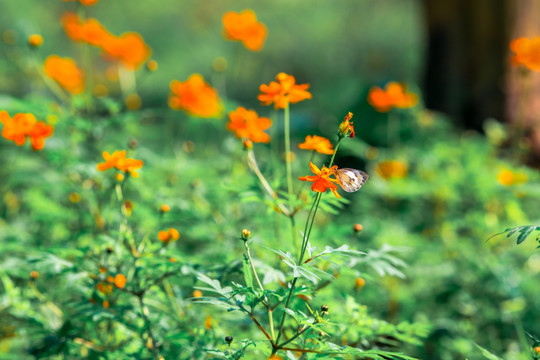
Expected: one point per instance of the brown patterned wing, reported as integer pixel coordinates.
(351, 179)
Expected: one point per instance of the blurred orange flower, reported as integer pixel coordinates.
(119, 161)
(21, 126)
(391, 169)
(35, 40)
(86, 2)
(283, 92)
(275, 357)
(39, 133)
(244, 27)
(318, 143)
(90, 31)
(321, 180)
(395, 95)
(17, 128)
(120, 281)
(66, 73)
(246, 124)
(527, 52)
(195, 97)
(129, 49)
(508, 178)
(166, 236)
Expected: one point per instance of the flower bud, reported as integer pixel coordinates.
(228, 339)
(35, 40)
(246, 234)
(358, 227)
(359, 283)
(324, 308)
(248, 144)
(165, 208)
(152, 65)
(34, 275)
(346, 127)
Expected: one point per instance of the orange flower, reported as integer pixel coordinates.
(246, 124)
(244, 27)
(90, 31)
(275, 357)
(167, 235)
(39, 133)
(509, 178)
(86, 2)
(283, 92)
(66, 73)
(23, 126)
(208, 322)
(195, 97)
(321, 180)
(527, 52)
(318, 143)
(120, 281)
(129, 49)
(17, 128)
(118, 160)
(395, 95)
(391, 169)
(346, 127)
(35, 40)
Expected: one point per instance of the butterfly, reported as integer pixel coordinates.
(351, 180)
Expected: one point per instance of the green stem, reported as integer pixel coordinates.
(288, 157)
(148, 326)
(393, 129)
(307, 232)
(294, 337)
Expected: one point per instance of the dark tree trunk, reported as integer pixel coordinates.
(467, 58)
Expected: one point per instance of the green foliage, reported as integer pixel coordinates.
(523, 231)
(416, 282)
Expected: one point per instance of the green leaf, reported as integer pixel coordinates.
(487, 354)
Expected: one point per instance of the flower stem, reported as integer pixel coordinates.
(148, 325)
(305, 240)
(288, 157)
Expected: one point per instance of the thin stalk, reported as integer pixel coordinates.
(252, 162)
(288, 157)
(307, 232)
(248, 253)
(294, 337)
(271, 321)
(148, 325)
(393, 129)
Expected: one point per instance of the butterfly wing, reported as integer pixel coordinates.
(351, 179)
